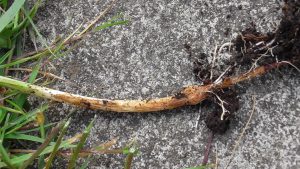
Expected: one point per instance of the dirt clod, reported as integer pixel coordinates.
(215, 124)
(252, 49)
(281, 45)
(230, 103)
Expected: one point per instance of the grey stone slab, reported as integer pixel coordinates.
(147, 59)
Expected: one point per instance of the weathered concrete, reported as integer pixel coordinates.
(147, 59)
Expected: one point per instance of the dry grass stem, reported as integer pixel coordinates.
(81, 35)
(242, 133)
(45, 74)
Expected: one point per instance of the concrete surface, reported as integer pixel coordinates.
(147, 59)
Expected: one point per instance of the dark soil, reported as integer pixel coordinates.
(231, 104)
(281, 45)
(251, 47)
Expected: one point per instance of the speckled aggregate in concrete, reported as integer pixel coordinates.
(146, 58)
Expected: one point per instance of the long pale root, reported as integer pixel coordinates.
(190, 95)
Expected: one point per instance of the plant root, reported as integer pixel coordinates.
(190, 95)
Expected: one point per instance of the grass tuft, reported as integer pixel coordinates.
(21, 124)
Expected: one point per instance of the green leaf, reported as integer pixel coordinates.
(4, 4)
(6, 33)
(36, 129)
(64, 127)
(25, 22)
(34, 72)
(37, 32)
(20, 159)
(86, 163)
(19, 136)
(4, 128)
(5, 43)
(5, 157)
(80, 145)
(15, 105)
(8, 16)
(2, 115)
(23, 120)
(6, 55)
(22, 98)
(11, 110)
(110, 24)
(22, 60)
(41, 148)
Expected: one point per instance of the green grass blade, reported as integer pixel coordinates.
(2, 115)
(42, 147)
(16, 20)
(41, 160)
(110, 24)
(18, 45)
(57, 144)
(17, 160)
(36, 129)
(11, 110)
(5, 157)
(23, 60)
(4, 128)
(5, 57)
(23, 120)
(6, 33)
(20, 125)
(34, 72)
(41, 120)
(4, 4)
(16, 106)
(5, 42)
(38, 33)
(26, 117)
(8, 16)
(10, 56)
(7, 54)
(25, 22)
(19, 136)
(22, 98)
(80, 145)
(86, 163)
